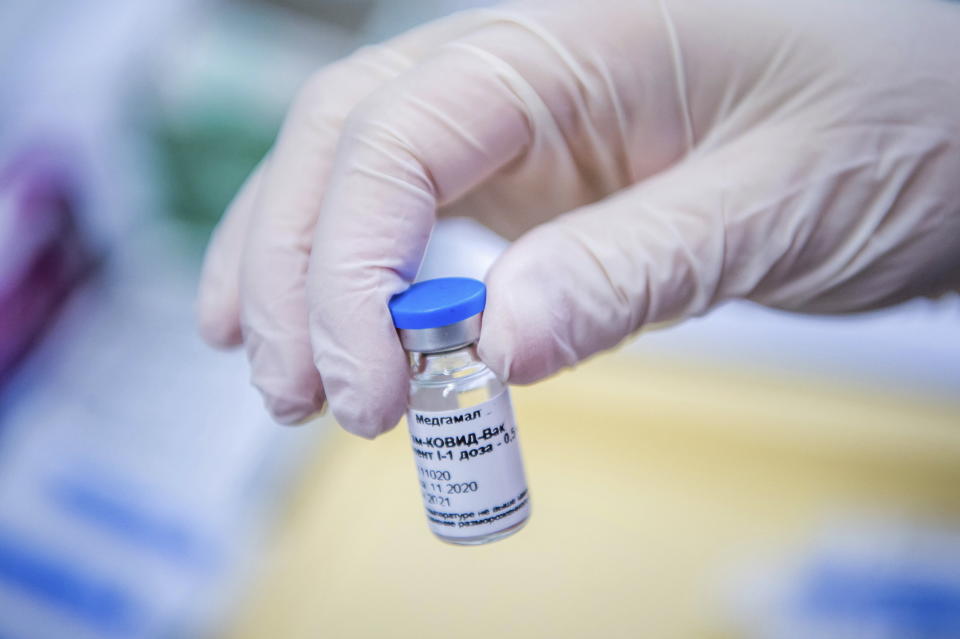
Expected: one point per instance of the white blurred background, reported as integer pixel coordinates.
(141, 483)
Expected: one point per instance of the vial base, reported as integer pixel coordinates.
(480, 540)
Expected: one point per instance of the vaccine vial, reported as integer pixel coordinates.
(459, 415)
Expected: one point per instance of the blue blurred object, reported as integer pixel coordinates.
(137, 466)
(875, 577)
(903, 603)
(132, 521)
(39, 572)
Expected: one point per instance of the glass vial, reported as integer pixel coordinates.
(459, 416)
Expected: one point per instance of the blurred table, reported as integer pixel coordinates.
(655, 487)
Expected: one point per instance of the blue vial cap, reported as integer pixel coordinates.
(438, 302)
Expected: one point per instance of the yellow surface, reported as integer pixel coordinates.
(650, 482)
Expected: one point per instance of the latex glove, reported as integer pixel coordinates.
(805, 155)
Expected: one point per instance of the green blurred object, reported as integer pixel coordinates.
(207, 162)
(221, 92)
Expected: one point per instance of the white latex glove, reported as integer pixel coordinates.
(803, 154)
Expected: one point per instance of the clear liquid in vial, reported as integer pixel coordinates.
(457, 380)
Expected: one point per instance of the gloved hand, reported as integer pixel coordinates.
(655, 158)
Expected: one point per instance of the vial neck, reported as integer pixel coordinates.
(458, 362)
(441, 338)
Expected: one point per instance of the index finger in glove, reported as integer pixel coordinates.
(276, 242)
(420, 142)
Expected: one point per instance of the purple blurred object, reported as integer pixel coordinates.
(42, 254)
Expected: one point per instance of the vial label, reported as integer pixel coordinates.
(469, 467)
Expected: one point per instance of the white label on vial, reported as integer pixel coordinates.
(469, 467)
